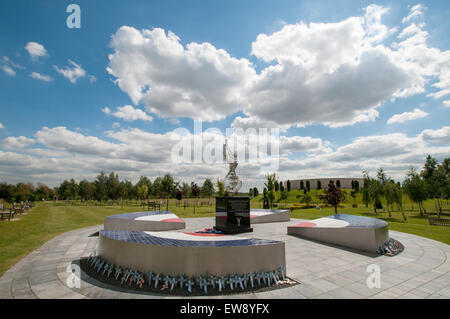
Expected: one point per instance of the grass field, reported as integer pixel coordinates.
(47, 220)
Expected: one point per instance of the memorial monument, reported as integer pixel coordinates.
(232, 212)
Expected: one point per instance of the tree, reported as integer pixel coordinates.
(306, 199)
(220, 187)
(288, 185)
(389, 190)
(86, 190)
(255, 191)
(270, 185)
(100, 186)
(186, 190)
(302, 185)
(142, 191)
(43, 192)
(333, 196)
(167, 188)
(397, 197)
(7, 192)
(112, 186)
(281, 187)
(308, 186)
(415, 188)
(195, 190)
(373, 191)
(156, 191)
(143, 180)
(207, 188)
(436, 179)
(338, 184)
(355, 185)
(319, 185)
(250, 193)
(277, 186)
(284, 195)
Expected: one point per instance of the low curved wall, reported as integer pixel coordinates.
(142, 221)
(259, 216)
(358, 232)
(174, 253)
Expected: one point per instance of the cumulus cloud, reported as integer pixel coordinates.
(63, 139)
(71, 73)
(36, 50)
(1, 126)
(106, 110)
(129, 113)
(131, 150)
(17, 142)
(416, 11)
(440, 136)
(407, 116)
(336, 74)
(172, 80)
(41, 77)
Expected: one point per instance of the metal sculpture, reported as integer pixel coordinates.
(231, 181)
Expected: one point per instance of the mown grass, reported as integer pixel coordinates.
(47, 220)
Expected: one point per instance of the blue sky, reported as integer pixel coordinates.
(54, 128)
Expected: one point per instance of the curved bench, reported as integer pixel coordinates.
(141, 221)
(191, 254)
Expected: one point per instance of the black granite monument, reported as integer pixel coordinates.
(233, 214)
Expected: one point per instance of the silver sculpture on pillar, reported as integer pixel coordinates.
(231, 181)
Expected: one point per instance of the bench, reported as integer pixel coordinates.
(439, 221)
(6, 214)
(154, 206)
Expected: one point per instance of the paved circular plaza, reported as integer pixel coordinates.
(422, 270)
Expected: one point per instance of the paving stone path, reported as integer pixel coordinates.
(422, 270)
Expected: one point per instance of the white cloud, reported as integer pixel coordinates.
(8, 70)
(106, 110)
(1, 126)
(407, 116)
(131, 151)
(336, 74)
(63, 139)
(41, 77)
(129, 113)
(172, 80)
(36, 50)
(17, 142)
(72, 74)
(116, 125)
(92, 79)
(9, 62)
(446, 103)
(440, 136)
(416, 11)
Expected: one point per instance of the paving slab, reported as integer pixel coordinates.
(422, 270)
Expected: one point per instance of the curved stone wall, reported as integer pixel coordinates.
(358, 232)
(190, 254)
(258, 216)
(142, 221)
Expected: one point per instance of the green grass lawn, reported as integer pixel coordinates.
(47, 220)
